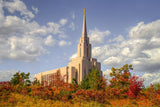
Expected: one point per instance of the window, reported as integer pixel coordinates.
(84, 71)
(87, 52)
(76, 75)
(80, 52)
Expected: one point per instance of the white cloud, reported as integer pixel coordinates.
(7, 75)
(73, 56)
(145, 31)
(24, 48)
(35, 9)
(72, 26)
(24, 39)
(49, 41)
(63, 22)
(62, 36)
(112, 61)
(125, 51)
(119, 38)
(2, 18)
(19, 6)
(151, 78)
(97, 37)
(142, 49)
(107, 73)
(64, 43)
(73, 16)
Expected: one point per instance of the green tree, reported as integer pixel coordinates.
(20, 78)
(156, 86)
(85, 82)
(92, 81)
(74, 81)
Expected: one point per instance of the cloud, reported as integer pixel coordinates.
(107, 73)
(72, 26)
(2, 18)
(64, 43)
(97, 37)
(73, 16)
(7, 75)
(49, 41)
(125, 51)
(151, 78)
(35, 9)
(73, 56)
(22, 38)
(112, 61)
(63, 22)
(141, 48)
(18, 6)
(119, 38)
(25, 48)
(145, 31)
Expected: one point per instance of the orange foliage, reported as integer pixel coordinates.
(59, 93)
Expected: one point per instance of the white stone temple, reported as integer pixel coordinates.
(78, 67)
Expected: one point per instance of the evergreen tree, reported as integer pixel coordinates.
(85, 82)
(92, 80)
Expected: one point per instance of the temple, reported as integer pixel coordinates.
(79, 66)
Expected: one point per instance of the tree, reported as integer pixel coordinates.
(36, 82)
(119, 83)
(93, 80)
(20, 78)
(74, 81)
(120, 76)
(136, 84)
(122, 83)
(85, 82)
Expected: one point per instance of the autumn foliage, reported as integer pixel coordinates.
(123, 89)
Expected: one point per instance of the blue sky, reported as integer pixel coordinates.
(40, 35)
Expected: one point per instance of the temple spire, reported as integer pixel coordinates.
(84, 29)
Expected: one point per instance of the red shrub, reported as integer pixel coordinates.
(135, 86)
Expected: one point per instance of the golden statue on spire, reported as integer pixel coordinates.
(84, 11)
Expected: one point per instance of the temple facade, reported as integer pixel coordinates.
(79, 66)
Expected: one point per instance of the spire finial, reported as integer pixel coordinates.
(84, 29)
(84, 11)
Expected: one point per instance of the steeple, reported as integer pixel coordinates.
(84, 29)
(84, 47)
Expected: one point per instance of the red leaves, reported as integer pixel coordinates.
(5, 83)
(89, 95)
(135, 86)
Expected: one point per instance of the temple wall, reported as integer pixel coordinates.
(46, 75)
